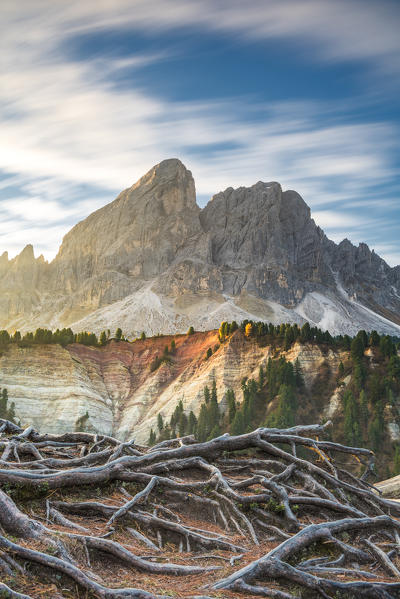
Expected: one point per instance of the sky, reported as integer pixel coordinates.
(93, 93)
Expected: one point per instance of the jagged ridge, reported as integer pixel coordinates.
(153, 260)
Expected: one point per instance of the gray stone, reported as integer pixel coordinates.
(152, 260)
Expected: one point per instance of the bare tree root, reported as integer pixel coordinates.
(82, 504)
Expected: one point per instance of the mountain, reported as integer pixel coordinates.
(152, 260)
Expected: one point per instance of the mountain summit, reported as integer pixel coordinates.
(153, 260)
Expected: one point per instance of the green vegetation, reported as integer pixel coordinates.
(165, 358)
(61, 337)
(6, 412)
(367, 378)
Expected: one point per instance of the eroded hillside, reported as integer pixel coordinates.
(123, 387)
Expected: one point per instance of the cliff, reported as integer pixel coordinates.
(153, 260)
(53, 386)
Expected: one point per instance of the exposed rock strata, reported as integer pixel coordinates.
(52, 387)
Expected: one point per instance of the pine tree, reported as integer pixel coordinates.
(118, 334)
(376, 428)
(289, 338)
(216, 432)
(237, 426)
(160, 422)
(182, 424)
(364, 411)
(192, 423)
(261, 378)
(214, 391)
(285, 414)
(351, 419)
(357, 348)
(305, 333)
(152, 438)
(233, 327)
(190, 331)
(206, 394)
(298, 374)
(143, 336)
(203, 429)
(230, 397)
(103, 338)
(374, 339)
(3, 404)
(340, 374)
(11, 413)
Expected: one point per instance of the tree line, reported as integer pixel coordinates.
(62, 337)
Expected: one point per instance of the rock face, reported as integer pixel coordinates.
(152, 260)
(53, 387)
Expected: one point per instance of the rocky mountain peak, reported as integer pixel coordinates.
(152, 260)
(26, 257)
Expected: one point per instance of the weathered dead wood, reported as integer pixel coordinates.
(265, 491)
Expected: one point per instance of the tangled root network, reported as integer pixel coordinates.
(274, 513)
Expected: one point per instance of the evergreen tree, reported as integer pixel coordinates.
(206, 394)
(340, 374)
(351, 419)
(364, 411)
(143, 336)
(289, 338)
(214, 391)
(118, 334)
(374, 339)
(233, 327)
(376, 428)
(237, 427)
(231, 401)
(4, 338)
(213, 410)
(160, 422)
(203, 428)
(298, 374)
(209, 353)
(3, 404)
(190, 331)
(284, 415)
(103, 338)
(357, 348)
(305, 333)
(261, 378)
(11, 413)
(192, 423)
(152, 438)
(216, 432)
(182, 424)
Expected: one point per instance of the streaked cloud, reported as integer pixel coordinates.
(71, 139)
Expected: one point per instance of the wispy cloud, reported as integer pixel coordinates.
(64, 124)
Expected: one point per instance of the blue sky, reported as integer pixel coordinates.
(304, 92)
